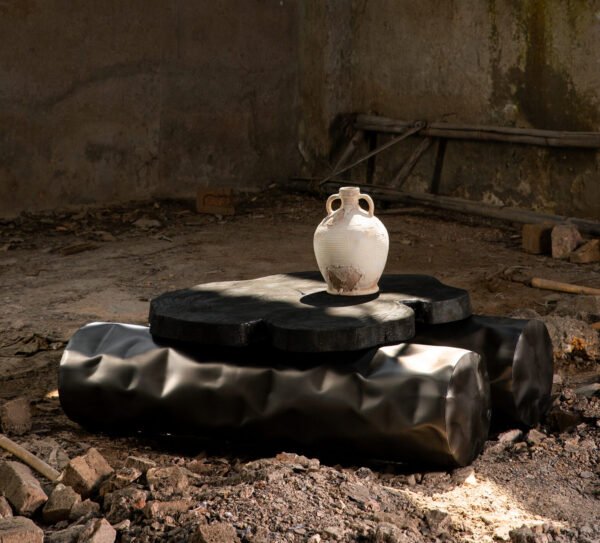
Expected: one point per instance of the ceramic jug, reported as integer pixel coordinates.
(351, 245)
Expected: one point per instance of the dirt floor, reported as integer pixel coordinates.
(59, 271)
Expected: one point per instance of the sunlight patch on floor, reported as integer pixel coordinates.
(481, 507)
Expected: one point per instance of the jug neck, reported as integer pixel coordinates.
(349, 197)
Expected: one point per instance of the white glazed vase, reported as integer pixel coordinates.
(351, 245)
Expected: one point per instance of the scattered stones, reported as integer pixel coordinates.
(535, 437)
(140, 463)
(589, 252)
(536, 238)
(66, 535)
(123, 503)
(572, 337)
(157, 509)
(85, 473)
(97, 531)
(167, 481)
(388, 533)
(21, 488)
(298, 461)
(565, 239)
(84, 509)
(220, 532)
(15, 416)
(119, 479)
(20, 530)
(5, 509)
(511, 436)
(146, 224)
(59, 505)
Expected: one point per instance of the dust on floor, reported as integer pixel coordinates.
(60, 271)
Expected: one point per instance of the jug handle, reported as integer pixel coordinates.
(369, 201)
(330, 201)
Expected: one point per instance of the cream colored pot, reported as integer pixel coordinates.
(351, 245)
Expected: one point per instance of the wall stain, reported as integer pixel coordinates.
(543, 91)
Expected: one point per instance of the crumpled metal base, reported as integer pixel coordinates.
(406, 402)
(518, 356)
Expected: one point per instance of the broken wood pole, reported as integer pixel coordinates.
(411, 129)
(388, 194)
(531, 136)
(410, 163)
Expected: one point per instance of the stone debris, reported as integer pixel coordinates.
(511, 436)
(59, 505)
(167, 481)
(84, 509)
(156, 509)
(536, 238)
(66, 535)
(123, 503)
(589, 252)
(5, 508)
(119, 479)
(15, 416)
(572, 337)
(97, 531)
(20, 530)
(85, 473)
(21, 488)
(140, 463)
(565, 239)
(582, 307)
(146, 224)
(220, 532)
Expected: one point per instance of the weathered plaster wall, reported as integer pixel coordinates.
(106, 101)
(513, 63)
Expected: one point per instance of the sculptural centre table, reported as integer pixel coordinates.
(293, 312)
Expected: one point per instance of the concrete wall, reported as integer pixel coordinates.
(111, 100)
(530, 63)
(107, 101)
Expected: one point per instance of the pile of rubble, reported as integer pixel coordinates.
(562, 241)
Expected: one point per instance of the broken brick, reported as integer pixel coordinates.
(15, 416)
(220, 532)
(140, 463)
(97, 531)
(169, 480)
(565, 239)
(21, 488)
(59, 505)
(20, 530)
(85, 473)
(157, 509)
(216, 201)
(589, 252)
(536, 238)
(86, 508)
(121, 504)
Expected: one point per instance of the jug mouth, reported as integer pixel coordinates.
(349, 192)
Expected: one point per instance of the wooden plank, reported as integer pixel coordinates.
(531, 136)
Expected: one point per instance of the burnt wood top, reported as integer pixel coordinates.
(293, 312)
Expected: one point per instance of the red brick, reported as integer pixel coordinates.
(536, 238)
(15, 416)
(85, 473)
(21, 488)
(20, 530)
(216, 201)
